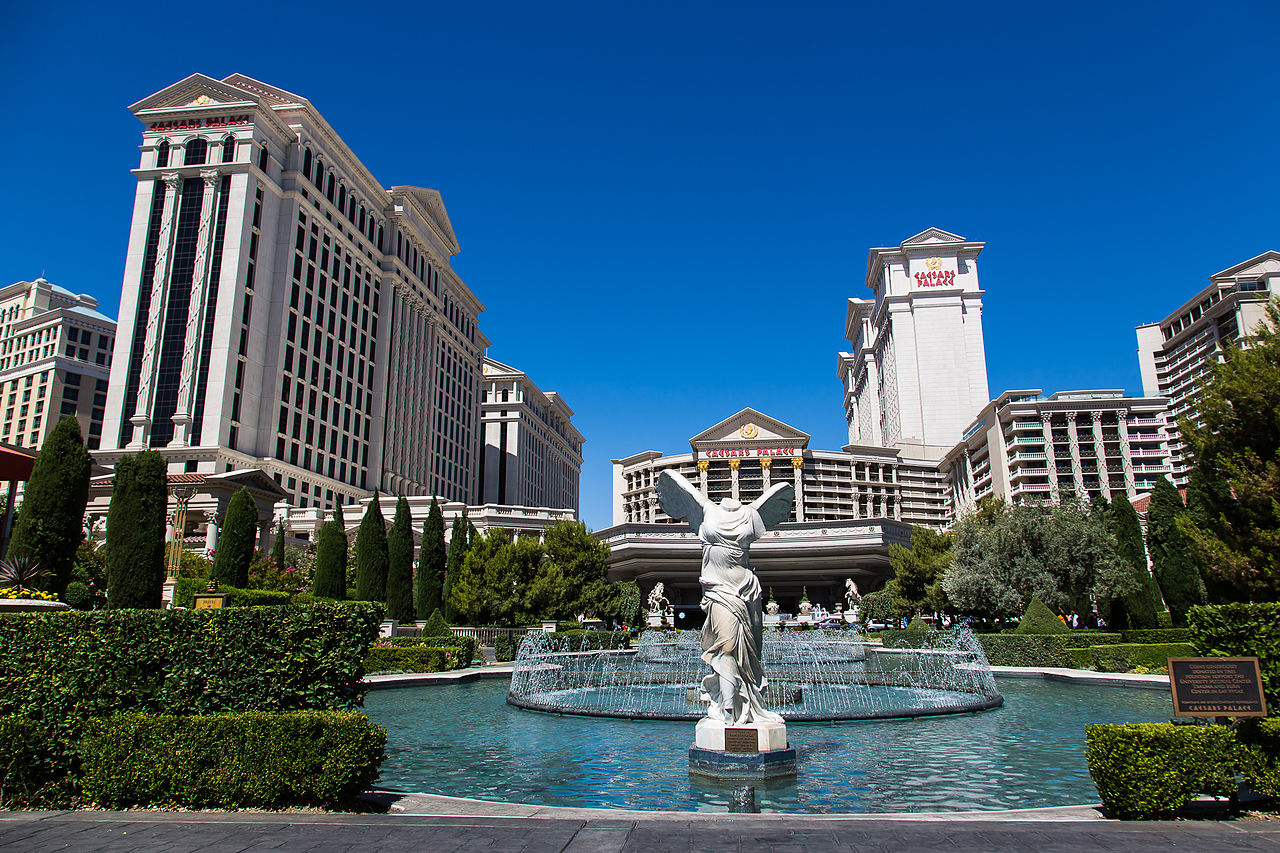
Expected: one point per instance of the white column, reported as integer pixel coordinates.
(141, 419)
(210, 531)
(195, 315)
(1077, 468)
(1126, 458)
(1104, 477)
(1046, 427)
(797, 467)
(765, 465)
(733, 478)
(703, 465)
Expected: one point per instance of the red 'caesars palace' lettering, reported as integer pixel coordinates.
(746, 451)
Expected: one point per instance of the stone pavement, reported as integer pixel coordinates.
(609, 832)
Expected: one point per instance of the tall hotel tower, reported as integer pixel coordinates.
(282, 311)
(917, 372)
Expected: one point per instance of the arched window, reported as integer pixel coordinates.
(262, 158)
(197, 152)
(318, 180)
(380, 238)
(351, 209)
(162, 154)
(329, 192)
(306, 162)
(342, 197)
(399, 243)
(360, 225)
(228, 149)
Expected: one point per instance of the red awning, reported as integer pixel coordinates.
(16, 463)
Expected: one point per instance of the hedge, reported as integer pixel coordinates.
(1242, 630)
(1150, 770)
(1262, 757)
(27, 764)
(582, 641)
(1024, 649)
(1123, 657)
(256, 760)
(1156, 635)
(466, 646)
(1084, 639)
(188, 587)
(419, 658)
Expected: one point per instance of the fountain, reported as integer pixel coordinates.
(812, 676)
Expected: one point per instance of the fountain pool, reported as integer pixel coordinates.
(466, 741)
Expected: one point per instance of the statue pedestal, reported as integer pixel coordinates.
(750, 751)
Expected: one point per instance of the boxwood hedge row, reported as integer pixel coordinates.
(416, 658)
(1150, 770)
(1242, 630)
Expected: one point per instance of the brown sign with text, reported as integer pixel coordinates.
(1217, 687)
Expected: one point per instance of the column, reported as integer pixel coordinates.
(211, 530)
(797, 467)
(195, 315)
(1126, 458)
(733, 477)
(1104, 477)
(1077, 469)
(969, 488)
(703, 465)
(141, 419)
(765, 464)
(1046, 428)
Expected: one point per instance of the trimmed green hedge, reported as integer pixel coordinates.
(260, 760)
(1151, 770)
(583, 641)
(1084, 639)
(1122, 657)
(1242, 630)
(27, 764)
(1025, 649)
(419, 658)
(188, 587)
(465, 645)
(1261, 739)
(1156, 635)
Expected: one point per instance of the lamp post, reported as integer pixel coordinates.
(182, 496)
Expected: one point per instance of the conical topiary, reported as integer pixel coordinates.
(331, 559)
(1039, 619)
(436, 626)
(371, 555)
(400, 565)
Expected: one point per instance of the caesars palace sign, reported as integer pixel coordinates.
(750, 451)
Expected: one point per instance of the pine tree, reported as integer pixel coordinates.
(1171, 556)
(431, 564)
(277, 548)
(135, 531)
(400, 565)
(235, 545)
(331, 559)
(50, 523)
(459, 537)
(371, 554)
(1137, 609)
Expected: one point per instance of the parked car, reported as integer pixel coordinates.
(835, 623)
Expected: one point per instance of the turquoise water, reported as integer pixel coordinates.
(466, 741)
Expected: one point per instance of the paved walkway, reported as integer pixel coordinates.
(608, 832)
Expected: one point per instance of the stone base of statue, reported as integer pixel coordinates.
(749, 751)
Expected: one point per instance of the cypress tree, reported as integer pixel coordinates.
(458, 545)
(277, 548)
(400, 564)
(431, 564)
(1138, 608)
(235, 545)
(371, 554)
(1171, 557)
(50, 523)
(135, 531)
(331, 559)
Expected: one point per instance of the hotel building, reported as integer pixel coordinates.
(283, 311)
(55, 360)
(1174, 355)
(531, 453)
(1025, 447)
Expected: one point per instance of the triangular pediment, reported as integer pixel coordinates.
(933, 235)
(264, 92)
(198, 92)
(254, 479)
(1268, 263)
(433, 204)
(750, 428)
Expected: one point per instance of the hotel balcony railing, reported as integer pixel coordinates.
(1031, 487)
(1027, 454)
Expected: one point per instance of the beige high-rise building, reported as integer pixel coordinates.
(55, 359)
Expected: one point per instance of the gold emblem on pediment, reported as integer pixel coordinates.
(748, 430)
(201, 101)
(933, 263)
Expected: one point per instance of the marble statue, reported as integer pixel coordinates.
(658, 602)
(851, 595)
(733, 632)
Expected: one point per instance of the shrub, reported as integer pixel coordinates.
(419, 658)
(436, 626)
(1151, 770)
(431, 562)
(1025, 649)
(1084, 639)
(187, 588)
(1156, 635)
(371, 554)
(27, 769)
(1039, 619)
(235, 544)
(1261, 762)
(505, 647)
(400, 565)
(255, 759)
(331, 559)
(1123, 657)
(1242, 630)
(135, 531)
(583, 641)
(78, 596)
(466, 646)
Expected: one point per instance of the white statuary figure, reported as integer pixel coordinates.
(657, 600)
(733, 633)
(851, 595)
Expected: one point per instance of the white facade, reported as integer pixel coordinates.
(55, 360)
(1024, 447)
(283, 311)
(1174, 355)
(531, 454)
(917, 368)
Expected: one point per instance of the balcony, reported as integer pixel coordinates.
(1028, 472)
(1031, 487)
(1018, 440)
(1024, 455)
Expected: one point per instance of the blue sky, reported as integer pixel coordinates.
(665, 209)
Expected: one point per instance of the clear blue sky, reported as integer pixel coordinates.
(665, 209)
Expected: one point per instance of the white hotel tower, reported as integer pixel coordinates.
(283, 311)
(917, 371)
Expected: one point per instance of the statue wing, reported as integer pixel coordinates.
(774, 505)
(680, 498)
